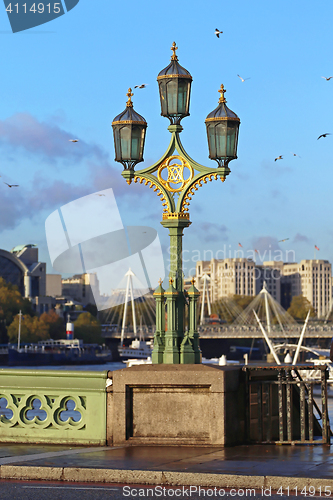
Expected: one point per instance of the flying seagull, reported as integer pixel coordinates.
(327, 79)
(283, 240)
(97, 194)
(11, 185)
(279, 158)
(294, 154)
(323, 135)
(142, 86)
(218, 33)
(243, 79)
(73, 140)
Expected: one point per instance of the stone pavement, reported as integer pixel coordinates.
(253, 466)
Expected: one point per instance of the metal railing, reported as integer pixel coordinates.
(230, 331)
(280, 406)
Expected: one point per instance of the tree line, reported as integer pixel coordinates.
(48, 325)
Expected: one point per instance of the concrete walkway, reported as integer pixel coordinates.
(241, 466)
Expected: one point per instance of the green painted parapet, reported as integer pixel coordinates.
(58, 407)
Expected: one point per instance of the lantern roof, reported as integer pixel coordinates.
(174, 69)
(129, 115)
(222, 112)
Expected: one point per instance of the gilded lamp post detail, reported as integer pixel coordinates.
(175, 178)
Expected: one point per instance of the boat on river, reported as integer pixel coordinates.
(68, 351)
(57, 352)
(138, 349)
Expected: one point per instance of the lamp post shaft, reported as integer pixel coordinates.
(184, 354)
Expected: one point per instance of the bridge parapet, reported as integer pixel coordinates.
(53, 406)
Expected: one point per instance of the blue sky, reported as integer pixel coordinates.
(69, 78)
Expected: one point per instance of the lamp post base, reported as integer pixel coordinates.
(187, 354)
(174, 345)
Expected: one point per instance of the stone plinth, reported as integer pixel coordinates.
(176, 405)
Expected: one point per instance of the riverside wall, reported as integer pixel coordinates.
(147, 404)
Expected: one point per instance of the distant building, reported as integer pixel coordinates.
(226, 277)
(240, 276)
(310, 278)
(272, 277)
(81, 288)
(21, 267)
(53, 285)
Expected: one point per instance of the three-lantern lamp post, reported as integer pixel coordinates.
(175, 178)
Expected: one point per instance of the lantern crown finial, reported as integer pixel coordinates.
(129, 103)
(174, 55)
(174, 83)
(222, 91)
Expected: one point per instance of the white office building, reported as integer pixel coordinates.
(310, 278)
(240, 276)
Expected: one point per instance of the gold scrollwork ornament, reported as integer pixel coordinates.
(175, 174)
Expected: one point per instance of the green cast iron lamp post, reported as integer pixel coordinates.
(175, 178)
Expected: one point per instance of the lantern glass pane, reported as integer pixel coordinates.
(137, 142)
(211, 141)
(172, 95)
(221, 139)
(183, 88)
(163, 97)
(117, 143)
(236, 138)
(125, 141)
(231, 139)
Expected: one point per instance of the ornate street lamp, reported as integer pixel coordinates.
(222, 132)
(129, 131)
(174, 83)
(176, 174)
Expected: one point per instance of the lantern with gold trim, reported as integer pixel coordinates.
(174, 83)
(222, 132)
(129, 131)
